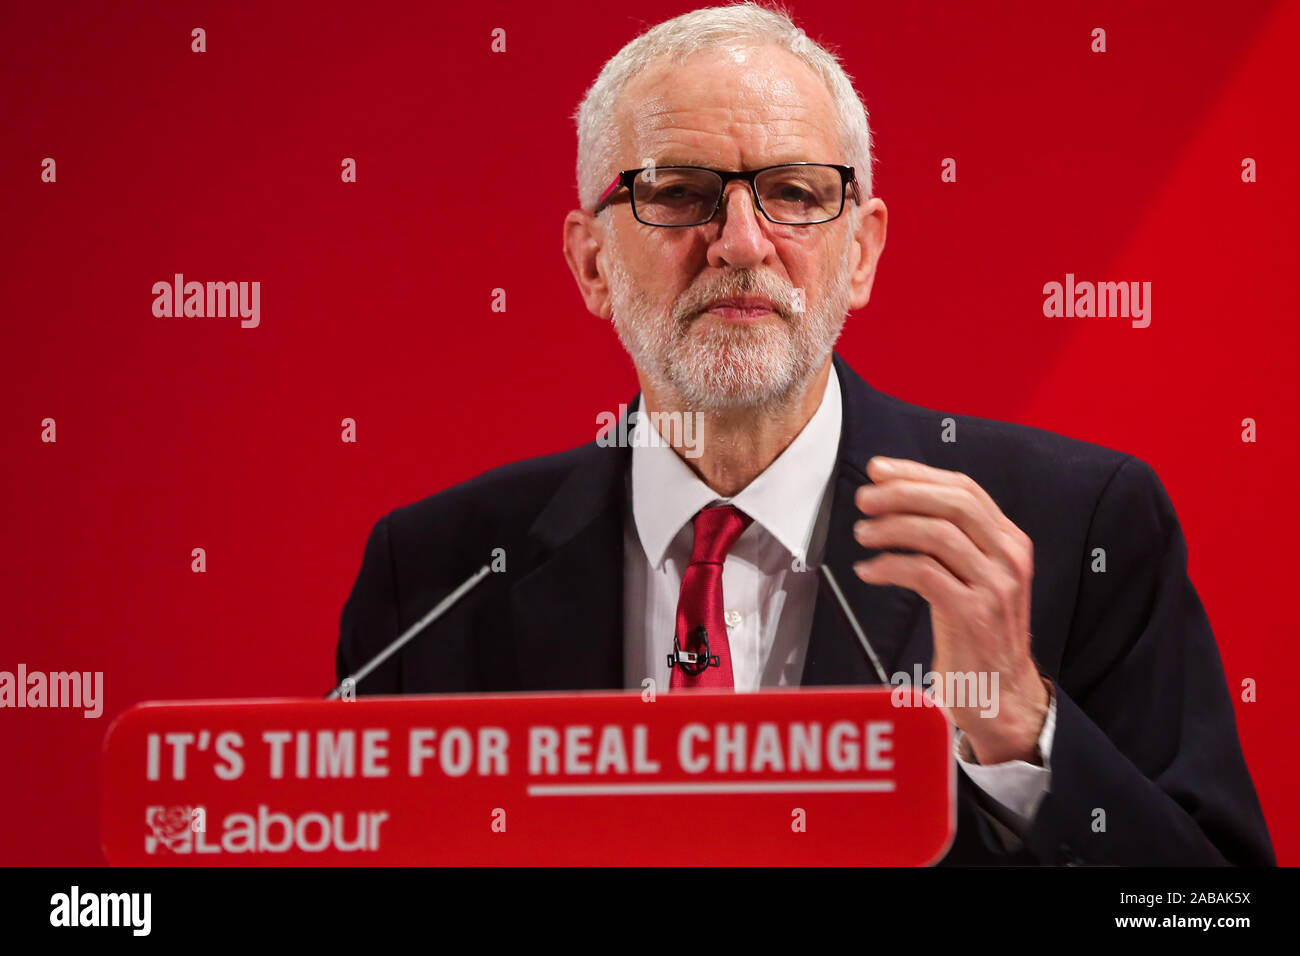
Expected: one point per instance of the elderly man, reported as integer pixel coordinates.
(727, 227)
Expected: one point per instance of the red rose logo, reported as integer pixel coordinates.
(170, 828)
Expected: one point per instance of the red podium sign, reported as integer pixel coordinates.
(781, 777)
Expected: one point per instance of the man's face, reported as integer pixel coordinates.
(728, 108)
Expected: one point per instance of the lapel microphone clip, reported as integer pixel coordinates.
(693, 663)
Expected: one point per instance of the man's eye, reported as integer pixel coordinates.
(793, 193)
(677, 194)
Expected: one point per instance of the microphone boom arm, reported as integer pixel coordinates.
(438, 611)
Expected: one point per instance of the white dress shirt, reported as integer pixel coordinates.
(768, 603)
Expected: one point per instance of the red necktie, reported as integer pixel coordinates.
(699, 606)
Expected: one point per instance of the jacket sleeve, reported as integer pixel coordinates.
(1146, 765)
(369, 619)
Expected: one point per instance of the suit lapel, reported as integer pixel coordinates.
(567, 612)
(871, 426)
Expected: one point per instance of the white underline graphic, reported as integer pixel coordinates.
(634, 789)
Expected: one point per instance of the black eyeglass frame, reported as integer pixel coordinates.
(627, 177)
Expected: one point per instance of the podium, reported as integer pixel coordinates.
(846, 776)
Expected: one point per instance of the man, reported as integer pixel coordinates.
(727, 227)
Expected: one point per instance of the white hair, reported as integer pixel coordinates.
(699, 30)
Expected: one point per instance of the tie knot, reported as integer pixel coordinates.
(716, 530)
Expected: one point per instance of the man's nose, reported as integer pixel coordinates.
(742, 243)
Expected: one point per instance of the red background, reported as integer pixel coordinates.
(183, 433)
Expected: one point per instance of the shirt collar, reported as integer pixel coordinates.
(784, 499)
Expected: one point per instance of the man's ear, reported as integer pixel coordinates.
(583, 238)
(870, 241)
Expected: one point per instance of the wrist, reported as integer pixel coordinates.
(1014, 734)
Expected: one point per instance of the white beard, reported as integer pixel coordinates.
(711, 366)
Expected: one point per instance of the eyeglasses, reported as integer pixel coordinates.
(794, 194)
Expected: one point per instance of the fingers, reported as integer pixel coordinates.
(916, 572)
(881, 469)
(909, 487)
(937, 537)
(948, 502)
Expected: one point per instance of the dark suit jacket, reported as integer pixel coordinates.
(1144, 728)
